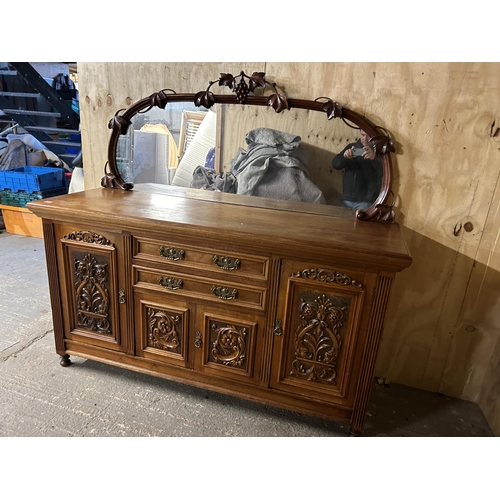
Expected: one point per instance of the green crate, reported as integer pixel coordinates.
(21, 198)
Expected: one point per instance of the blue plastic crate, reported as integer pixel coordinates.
(33, 179)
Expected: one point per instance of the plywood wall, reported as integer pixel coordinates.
(443, 327)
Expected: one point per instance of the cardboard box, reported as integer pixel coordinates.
(19, 220)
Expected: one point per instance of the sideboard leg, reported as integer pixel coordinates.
(356, 431)
(65, 361)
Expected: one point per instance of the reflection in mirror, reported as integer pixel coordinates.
(200, 155)
(157, 141)
(313, 140)
(296, 155)
(362, 173)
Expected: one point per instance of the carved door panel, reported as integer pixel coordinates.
(229, 344)
(318, 318)
(162, 326)
(93, 286)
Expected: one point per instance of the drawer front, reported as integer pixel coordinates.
(201, 288)
(234, 264)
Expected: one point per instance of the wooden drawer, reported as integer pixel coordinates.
(201, 258)
(189, 286)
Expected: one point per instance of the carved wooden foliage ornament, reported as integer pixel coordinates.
(159, 99)
(92, 295)
(318, 340)
(331, 108)
(327, 276)
(88, 237)
(229, 345)
(163, 330)
(242, 89)
(382, 213)
(119, 123)
(382, 144)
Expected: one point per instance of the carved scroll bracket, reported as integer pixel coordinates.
(88, 237)
(381, 213)
(328, 276)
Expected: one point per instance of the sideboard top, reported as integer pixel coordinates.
(272, 225)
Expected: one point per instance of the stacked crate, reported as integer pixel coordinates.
(21, 185)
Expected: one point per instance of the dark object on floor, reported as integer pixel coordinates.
(397, 410)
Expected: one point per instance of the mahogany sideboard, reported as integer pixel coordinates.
(247, 298)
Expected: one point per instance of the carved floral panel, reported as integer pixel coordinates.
(164, 330)
(319, 324)
(92, 296)
(229, 344)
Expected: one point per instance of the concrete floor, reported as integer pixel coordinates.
(38, 397)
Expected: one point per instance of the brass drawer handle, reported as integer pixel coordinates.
(172, 253)
(170, 283)
(121, 296)
(224, 293)
(227, 263)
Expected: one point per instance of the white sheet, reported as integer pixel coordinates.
(197, 151)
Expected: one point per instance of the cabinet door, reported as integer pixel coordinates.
(162, 325)
(93, 289)
(229, 344)
(316, 331)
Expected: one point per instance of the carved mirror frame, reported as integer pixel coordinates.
(244, 90)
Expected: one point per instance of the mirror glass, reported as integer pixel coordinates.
(295, 155)
(156, 141)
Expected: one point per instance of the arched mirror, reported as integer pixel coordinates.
(254, 144)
